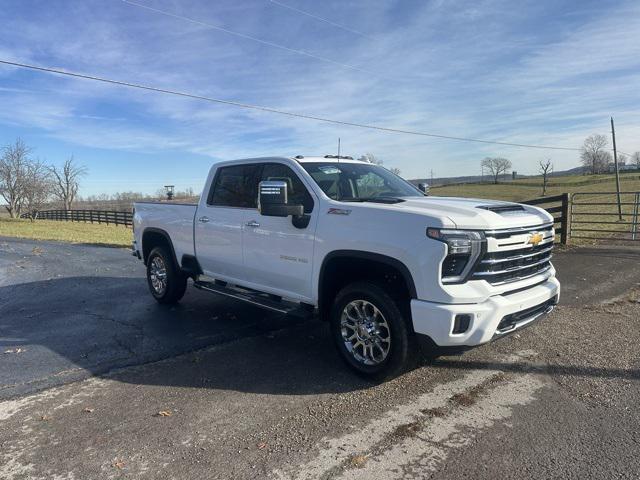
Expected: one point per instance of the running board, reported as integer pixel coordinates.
(259, 299)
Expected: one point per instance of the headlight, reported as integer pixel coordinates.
(463, 250)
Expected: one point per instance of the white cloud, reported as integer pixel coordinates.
(478, 70)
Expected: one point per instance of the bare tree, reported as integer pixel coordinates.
(622, 159)
(594, 156)
(635, 158)
(66, 181)
(13, 165)
(496, 166)
(370, 158)
(395, 170)
(546, 168)
(37, 188)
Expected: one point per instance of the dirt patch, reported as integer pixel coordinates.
(407, 430)
(358, 461)
(470, 397)
(437, 412)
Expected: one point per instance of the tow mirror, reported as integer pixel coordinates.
(273, 202)
(424, 188)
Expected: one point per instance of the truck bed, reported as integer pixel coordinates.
(176, 219)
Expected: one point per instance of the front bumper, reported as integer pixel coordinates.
(515, 310)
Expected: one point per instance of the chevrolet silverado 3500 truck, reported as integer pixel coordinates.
(388, 267)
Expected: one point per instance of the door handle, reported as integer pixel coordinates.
(253, 223)
(203, 219)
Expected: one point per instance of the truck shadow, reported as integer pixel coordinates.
(92, 325)
(98, 324)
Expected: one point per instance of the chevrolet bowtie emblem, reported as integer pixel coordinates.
(535, 238)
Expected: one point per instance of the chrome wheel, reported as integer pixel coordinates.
(158, 275)
(365, 332)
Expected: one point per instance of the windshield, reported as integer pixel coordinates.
(359, 181)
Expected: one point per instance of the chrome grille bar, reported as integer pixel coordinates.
(518, 230)
(503, 265)
(513, 269)
(521, 277)
(513, 258)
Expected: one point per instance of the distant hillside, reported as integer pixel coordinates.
(488, 178)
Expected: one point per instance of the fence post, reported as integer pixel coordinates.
(636, 211)
(567, 213)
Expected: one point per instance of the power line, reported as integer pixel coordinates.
(274, 110)
(248, 37)
(337, 25)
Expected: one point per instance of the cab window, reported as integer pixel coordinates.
(296, 190)
(235, 186)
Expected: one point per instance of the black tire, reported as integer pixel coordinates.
(401, 353)
(176, 281)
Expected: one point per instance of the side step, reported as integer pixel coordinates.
(259, 299)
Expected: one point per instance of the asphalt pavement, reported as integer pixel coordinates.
(101, 382)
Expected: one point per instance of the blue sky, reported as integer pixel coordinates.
(541, 72)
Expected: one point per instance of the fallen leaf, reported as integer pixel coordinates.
(88, 410)
(118, 464)
(358, 461)
(45, 418)
(262, 446)
(163, 413)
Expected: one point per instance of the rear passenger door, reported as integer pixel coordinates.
(278, 256)
(219, 223)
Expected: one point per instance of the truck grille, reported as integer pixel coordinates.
(511, 257)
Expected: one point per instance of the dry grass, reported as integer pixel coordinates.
(73, 232)
(606, 220)
(517, 192)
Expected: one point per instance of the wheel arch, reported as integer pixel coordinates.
(156, 237)
(341, 267)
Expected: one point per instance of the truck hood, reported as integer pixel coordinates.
(475, 213)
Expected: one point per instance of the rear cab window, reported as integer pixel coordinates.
(235, 186)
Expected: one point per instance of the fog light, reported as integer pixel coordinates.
(461, 323)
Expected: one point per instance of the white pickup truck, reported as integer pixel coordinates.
(387, 266)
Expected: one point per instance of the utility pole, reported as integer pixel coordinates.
(615, 162)
(432, 176)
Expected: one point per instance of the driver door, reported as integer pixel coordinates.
(278, 257)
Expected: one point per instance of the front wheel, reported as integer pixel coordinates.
(166, 282)
(370, 332)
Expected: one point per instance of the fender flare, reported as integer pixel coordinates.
(364, 255)
(164, 234)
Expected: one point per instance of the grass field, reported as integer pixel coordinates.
(602, 219)
(73, 232)
(524, 189)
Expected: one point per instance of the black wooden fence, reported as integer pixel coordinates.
(559, 206)
(110, 217)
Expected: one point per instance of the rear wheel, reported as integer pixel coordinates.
(370, 332)
(166, 282)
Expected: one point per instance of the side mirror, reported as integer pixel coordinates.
(424, 188)
(273, 202)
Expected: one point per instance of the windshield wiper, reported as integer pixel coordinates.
(373, 199)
